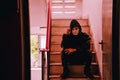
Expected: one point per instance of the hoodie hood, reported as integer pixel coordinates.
(75, 23)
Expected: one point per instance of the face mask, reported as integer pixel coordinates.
(75, 31)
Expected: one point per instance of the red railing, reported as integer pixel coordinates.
(45, 52)
(48, 24)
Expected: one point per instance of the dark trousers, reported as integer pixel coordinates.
(78, 58)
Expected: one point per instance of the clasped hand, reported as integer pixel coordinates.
(69, 50)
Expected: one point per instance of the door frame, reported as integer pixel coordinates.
(25, 38)
(115, 41)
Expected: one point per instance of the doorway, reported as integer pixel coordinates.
(99, 14)
(95, 21)
(38, 24)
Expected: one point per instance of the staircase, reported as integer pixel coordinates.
(58, 28)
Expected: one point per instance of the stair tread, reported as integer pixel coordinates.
(59, 63)
(56, 76)
(54, 26)
(55, 52)
(70, 19)
(60, 43)
(59, 52)
(67, 22)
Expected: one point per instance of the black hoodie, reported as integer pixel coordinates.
(81, 42)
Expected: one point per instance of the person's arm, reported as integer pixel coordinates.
(86, 43)
(63, 42)
(64, 38)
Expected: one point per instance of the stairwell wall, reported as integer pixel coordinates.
(38, 16)
(92, 9)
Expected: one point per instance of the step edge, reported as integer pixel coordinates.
(59, 52)
(54, 26)
(53, 43)
(59, 64)
(58, 75)
(69, 19)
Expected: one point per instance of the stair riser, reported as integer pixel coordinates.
(55, 78)
(94, 57)
(76, 78)
(56, 58)
(57, 48)
(62, 30)
(95, 69)
(56, 70)
(66, 22)
(58, 39)
(75, 70)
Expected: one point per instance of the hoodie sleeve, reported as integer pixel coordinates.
(86, 42)
(64, 41)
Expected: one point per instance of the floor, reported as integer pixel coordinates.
(36, 74)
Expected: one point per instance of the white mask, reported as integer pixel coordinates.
(75, 31)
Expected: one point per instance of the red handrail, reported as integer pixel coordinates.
(48, 25)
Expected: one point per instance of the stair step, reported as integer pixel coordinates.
(59, 64)
(59, 52)
(57, 47)
(57, 39)
(55, 57)
(82, 77)
(57, 76)
(62, 30)
(66, 22)
(56, 64)
(57, 68)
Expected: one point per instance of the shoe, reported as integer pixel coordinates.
(64, 75)
(90, 76)
(65, 72)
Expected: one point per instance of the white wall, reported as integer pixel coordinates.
(38, 16)
(92, 9)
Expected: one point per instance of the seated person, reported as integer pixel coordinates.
(76, 49)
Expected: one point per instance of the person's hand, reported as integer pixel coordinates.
(70, 50)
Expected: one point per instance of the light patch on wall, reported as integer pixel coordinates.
(43, 43)
(69, 6)
(57, 6)
(57, 12)
(69, 1)
(57, 1)
(70, 12)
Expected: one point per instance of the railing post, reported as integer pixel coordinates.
(44, 53)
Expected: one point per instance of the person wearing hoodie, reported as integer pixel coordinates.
(76, 49)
